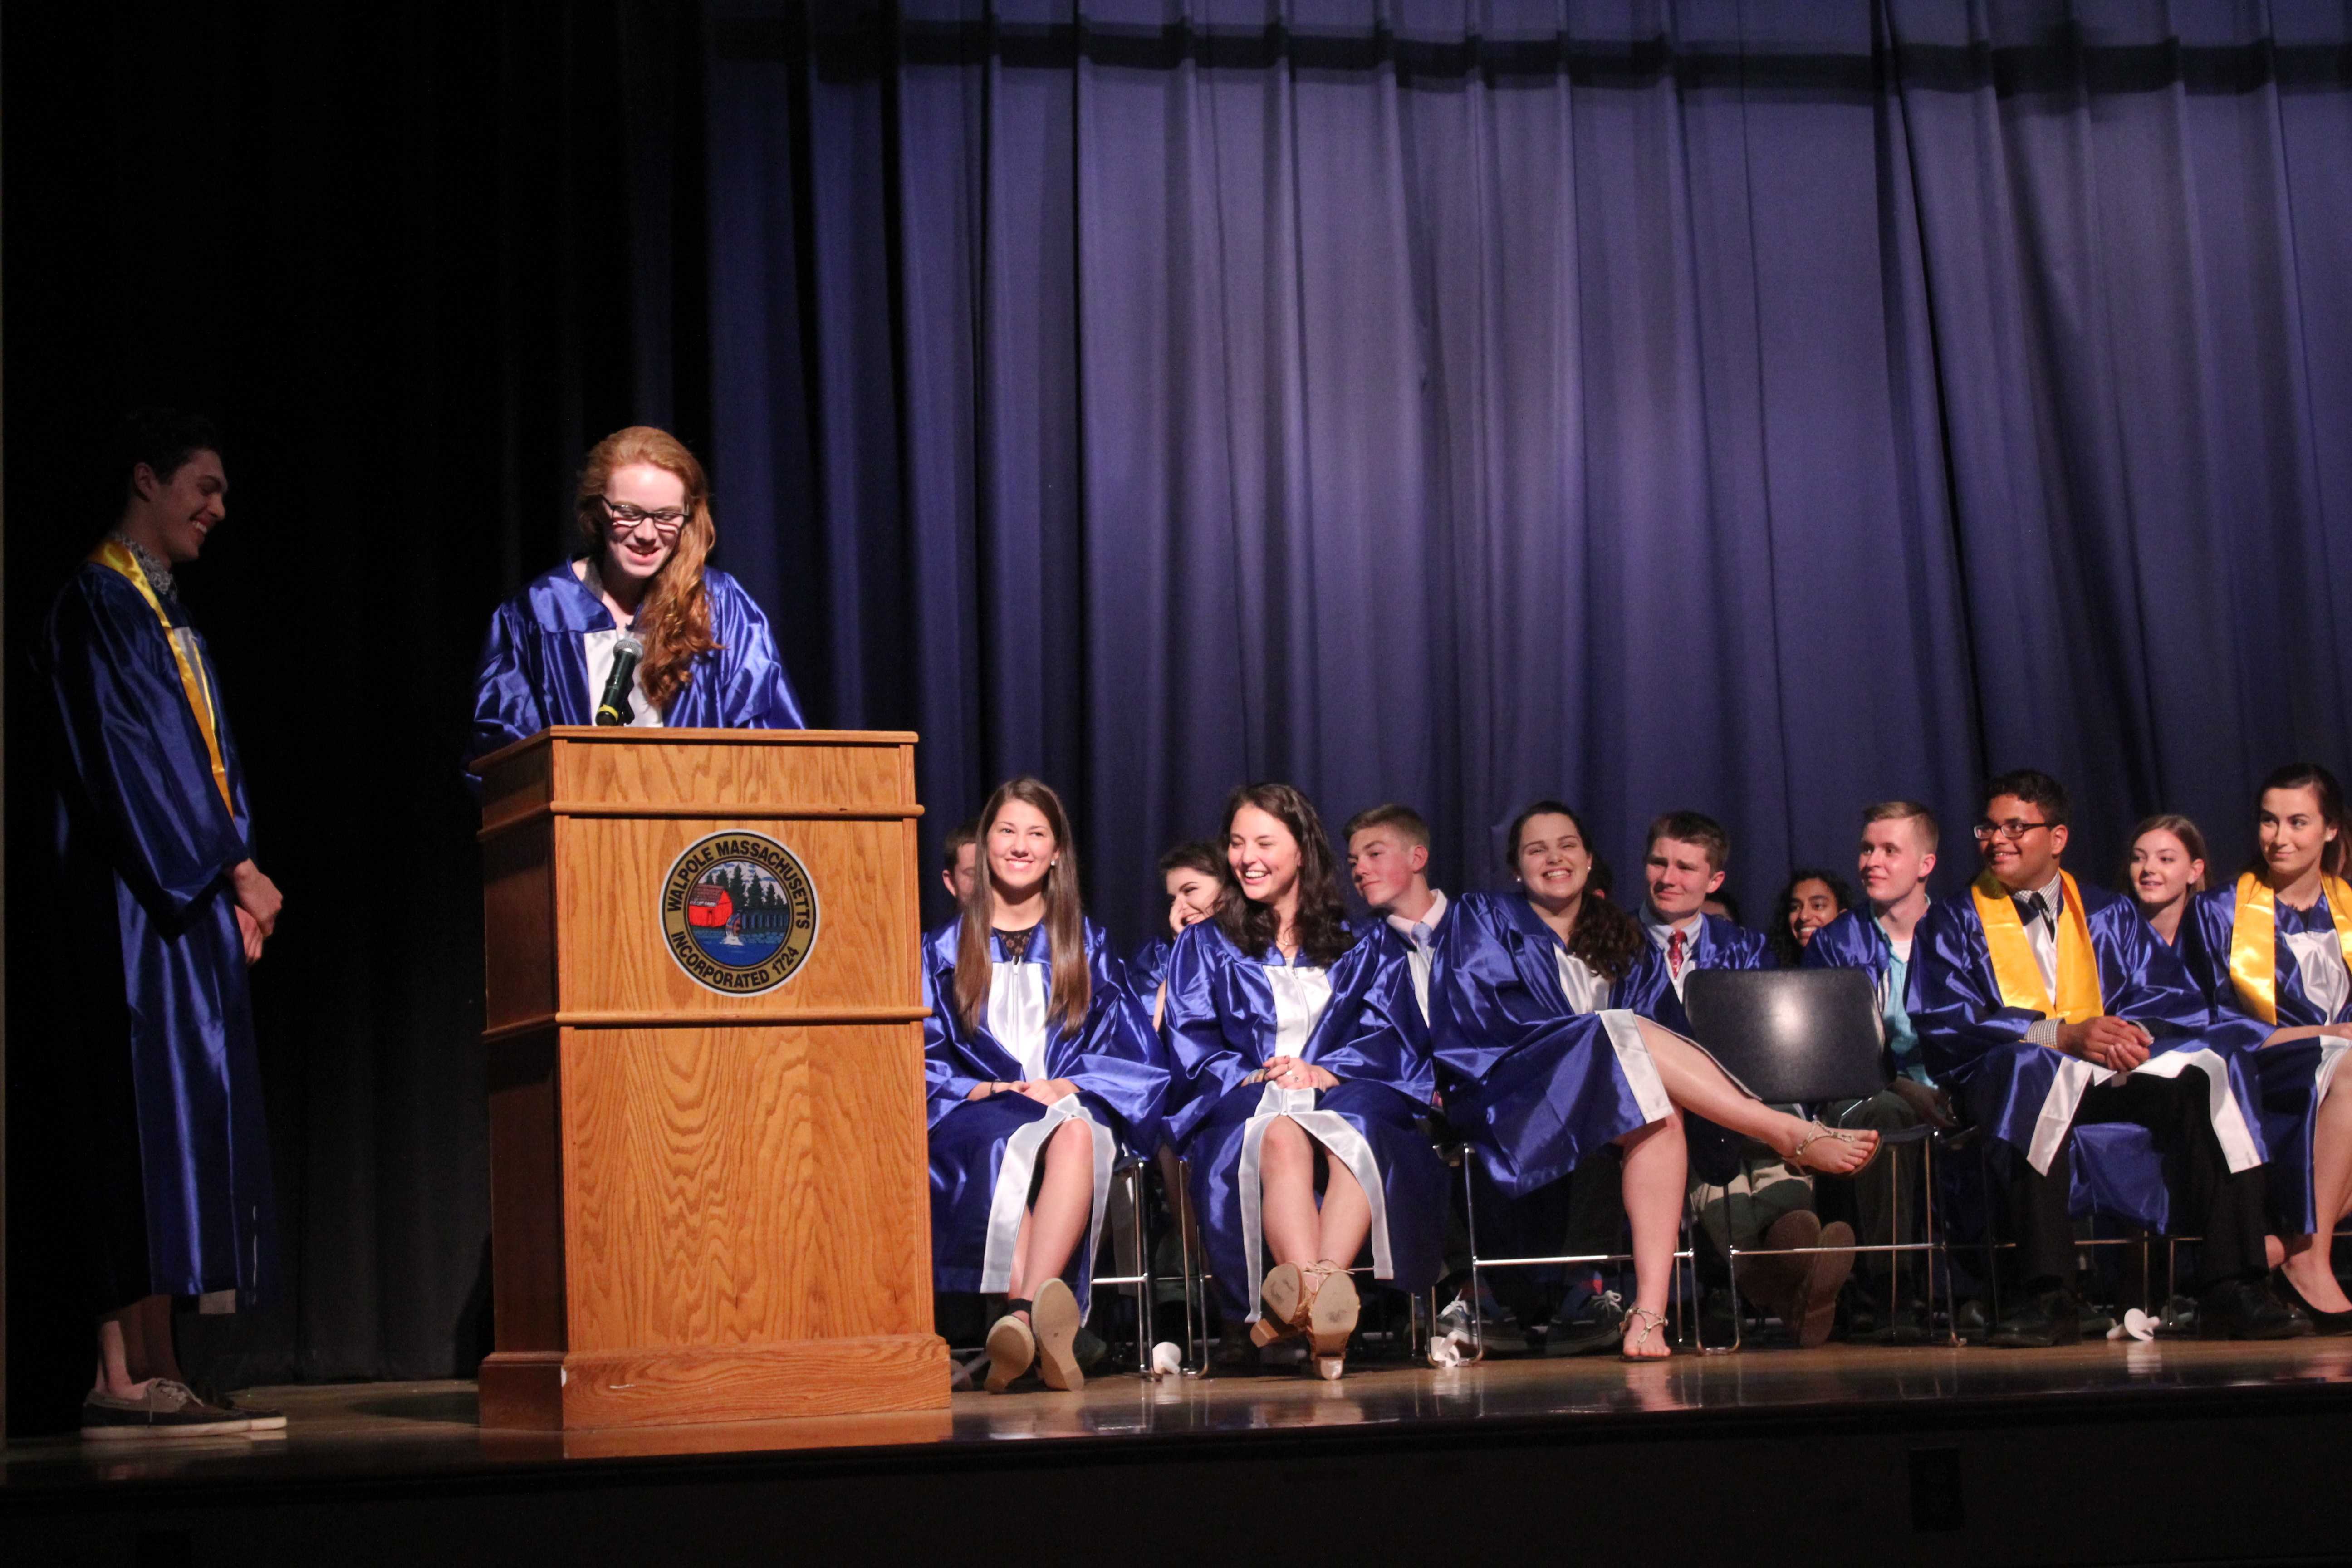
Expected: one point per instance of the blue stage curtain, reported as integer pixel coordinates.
(1754, 407)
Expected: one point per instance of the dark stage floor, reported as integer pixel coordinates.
(2103, 1452)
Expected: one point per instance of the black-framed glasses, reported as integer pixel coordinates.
(2014, 830)
(665, 520)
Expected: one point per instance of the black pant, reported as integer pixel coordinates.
(2226, 1209)
(1866, 1200)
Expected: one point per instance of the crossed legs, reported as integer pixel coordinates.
(1297, 1230)
(2310, 1265)
(1056, 1220)
(1657, 1166)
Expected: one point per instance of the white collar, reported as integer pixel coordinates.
(1429, 919)
(1660, 929)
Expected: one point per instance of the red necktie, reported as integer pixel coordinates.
(1674, 952)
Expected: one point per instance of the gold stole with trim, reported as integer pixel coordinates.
(116, 557)
(2014, 969)
(2253, 941)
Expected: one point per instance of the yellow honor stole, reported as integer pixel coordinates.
(2014, 969)
(117, 557)
(2253, 941)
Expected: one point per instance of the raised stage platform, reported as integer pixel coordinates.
(2164, 1451)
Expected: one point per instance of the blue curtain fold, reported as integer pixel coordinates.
(1756, 409)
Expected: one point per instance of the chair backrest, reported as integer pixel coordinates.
(1790, 1035)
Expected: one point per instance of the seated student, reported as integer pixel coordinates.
(2164, 872)
(1899, 839)
(2274, 955)
(1721, 906)
(1688, 856)
(1302, 1064)
(1812, 899)
(1746, 1195)
(960, 862)
(2051, 1012)
(1193, 876)
(1038, 1063)
(1388, 859)
(1546, 1067)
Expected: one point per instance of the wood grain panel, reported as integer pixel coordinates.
(756, 1382)
(518, 945)
(527, 1194)
(613, 956)
(693, 770)
(518, 787)
(730, 1187)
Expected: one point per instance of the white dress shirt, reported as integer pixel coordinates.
(1420, 945)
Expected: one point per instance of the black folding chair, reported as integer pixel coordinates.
(1809, 1037)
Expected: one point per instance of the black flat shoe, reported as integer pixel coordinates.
(2052, 1318)
(2321, 1322)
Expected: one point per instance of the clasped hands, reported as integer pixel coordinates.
(2116, 1044)
(257, 903)
(1043, 1090)
(1289, 1072)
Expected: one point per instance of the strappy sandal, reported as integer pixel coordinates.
(1651, 1323)
(1011, 1346)
(1818, 1132)
(1055, 1321)
(1331, 1314)
(1283, 1298)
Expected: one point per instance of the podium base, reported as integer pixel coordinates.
(553, 1391)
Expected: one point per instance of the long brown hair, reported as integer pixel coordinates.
(1604, 936)
(1321, 922)
(674, 620)
(1065, 922)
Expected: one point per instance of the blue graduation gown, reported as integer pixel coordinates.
(1534, 1085)
(534, 665)
(145, 844)
(1650, 990)
(1854, 941)
(1148, 966)
(2290, 1080)
(1221, 1026)
(983, 1152)
(2024, 1095)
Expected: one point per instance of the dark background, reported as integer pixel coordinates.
(1658, 406)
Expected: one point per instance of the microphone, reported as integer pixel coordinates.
(614, 710)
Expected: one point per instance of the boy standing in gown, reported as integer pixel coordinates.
(163, 908)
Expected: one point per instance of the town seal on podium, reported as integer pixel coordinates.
(739, 912)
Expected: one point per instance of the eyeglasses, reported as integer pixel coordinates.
(2014, 830)
(667, 521)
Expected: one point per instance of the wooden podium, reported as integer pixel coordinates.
(702, 1018)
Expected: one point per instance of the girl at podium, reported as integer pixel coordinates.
(1303, 1064)
(2274, 954)
(1039, 1064)
(708, 659)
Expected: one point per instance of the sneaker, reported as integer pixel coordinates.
(1601, 1328)
(167, 1409)
(1455, 1323)
(259, 1417)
